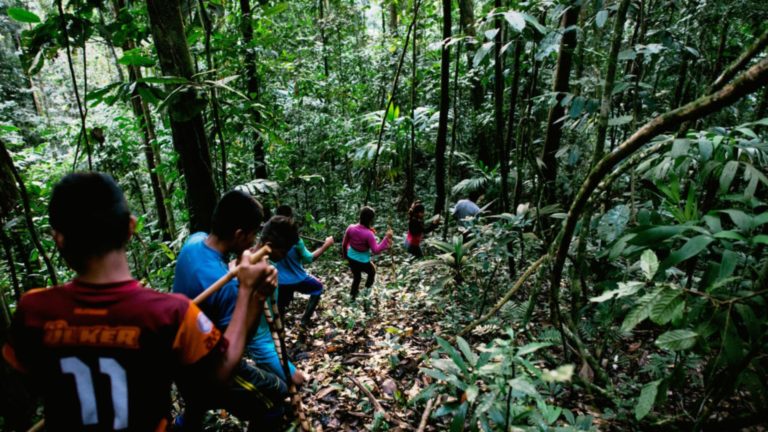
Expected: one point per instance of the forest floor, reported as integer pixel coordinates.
(377, 340)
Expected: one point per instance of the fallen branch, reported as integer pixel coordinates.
(377, 405)
(425, 416)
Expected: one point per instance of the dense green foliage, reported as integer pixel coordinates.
(648, 308)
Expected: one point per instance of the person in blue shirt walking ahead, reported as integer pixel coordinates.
(292, 277)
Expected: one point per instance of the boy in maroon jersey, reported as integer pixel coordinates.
(101, 349)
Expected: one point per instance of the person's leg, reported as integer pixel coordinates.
(370, 270)
(257, 395)
(284, 298)
(356, 276)
(314, 288)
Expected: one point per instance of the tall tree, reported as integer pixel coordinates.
(187, 125)
(560, 87)
(498, 105)
(252, 83)
(442, 127)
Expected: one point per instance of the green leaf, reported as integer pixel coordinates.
(457, 425)
(516, 20)
(762, 239)
(728, 264)
(740, 219)
(649, 263)
(601, 18)
(7, 128)
(663, 309)
(656, 234)
(23, 15)
(624, 290)
(618, 121)
(677, 340)
(471, 393)
(728, 174)
(690, 249)
(534, 22)
(647, 399)
(730, 235)
(524, 386)
(452, 353)
(136, 59)
(562, 374)
(466, 350)
(532, 347)
(641, 311)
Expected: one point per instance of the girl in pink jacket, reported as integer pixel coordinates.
(359, 245)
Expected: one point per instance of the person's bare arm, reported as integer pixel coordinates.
(321, 250)
(257, 282)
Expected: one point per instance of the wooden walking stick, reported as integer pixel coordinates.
(256, 257)
(272, 314)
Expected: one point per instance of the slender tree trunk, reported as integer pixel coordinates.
(498, 109)
(410, 178)
(721, 49)
(6, 158)
(454, 131)
(8, 250)
(390, 103)
(141, 111)
(467, 20)
(252, 80)
(442, 128)
(561, 85)
(211, 65)
(188, 131)
(598, 152)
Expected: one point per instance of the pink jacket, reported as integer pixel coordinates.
(361, 238)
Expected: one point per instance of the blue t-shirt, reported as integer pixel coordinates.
(198, 266)
(290, 270)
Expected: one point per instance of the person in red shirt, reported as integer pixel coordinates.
(101, 349)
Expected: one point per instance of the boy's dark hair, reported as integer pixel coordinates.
(284, 210)
(366, 216)
(281, 232)
(475, 195)
(89, 210)
(416, 207)
(236, 210)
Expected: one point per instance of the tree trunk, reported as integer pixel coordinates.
(498, 109)
(598, 152)
(561, 82)
(188, 131)
(442, 128)
(252, 82)
(410, 177)
(467, 20)
(22, 189)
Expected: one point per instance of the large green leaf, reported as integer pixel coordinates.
(647, 399)
(452, 353)
(641, 311)
(624, 290)
(649, 263)
(467, 351)
(23, 15)
(691, 248)
(656, 234)
(677, 340)
(663, 309)
(516, 20)
(613, 223)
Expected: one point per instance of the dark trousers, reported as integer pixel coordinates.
(358, 269)
(310, 286)
(254, 395)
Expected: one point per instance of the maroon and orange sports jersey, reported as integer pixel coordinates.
(104, 356)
